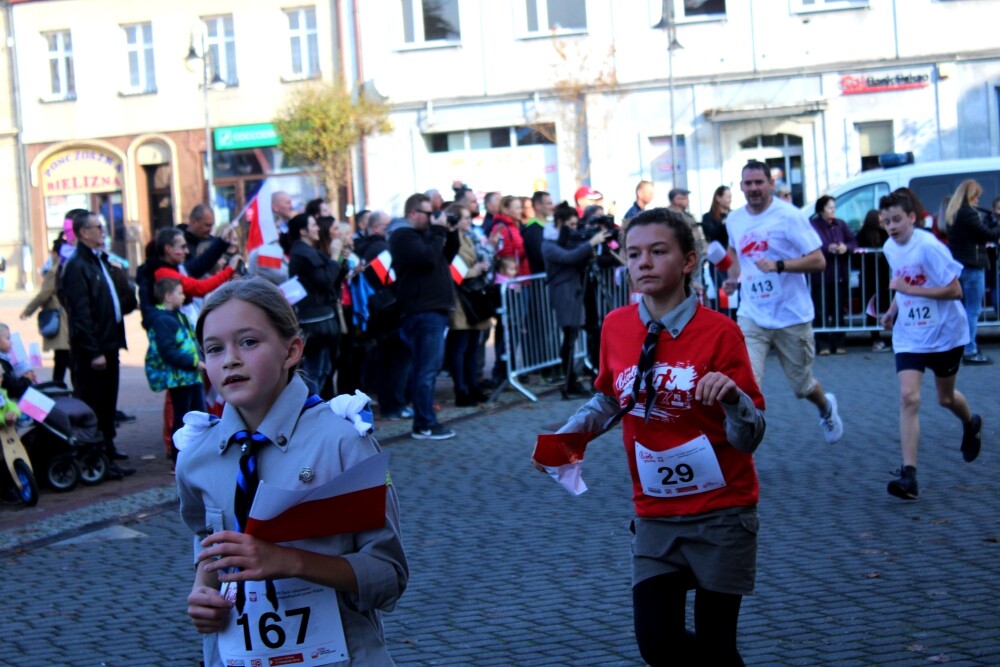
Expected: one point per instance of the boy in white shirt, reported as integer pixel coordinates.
(929, 330)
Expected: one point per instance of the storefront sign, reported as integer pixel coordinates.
(81, 171)
(852, 84)
(246, 136)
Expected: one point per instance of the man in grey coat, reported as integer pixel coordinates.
(566, 258)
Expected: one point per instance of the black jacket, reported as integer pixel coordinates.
(421, 260)
(967, 236)
(86, 297)
(533, 233)
(715, 230)
(317, 272)
(15, 387)
(198, 264)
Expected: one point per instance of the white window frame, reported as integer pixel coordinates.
(221, 62)
(63, 55)
(419, 40)
(542, 19)
(308, 42)
(800, 6)
(144, 57)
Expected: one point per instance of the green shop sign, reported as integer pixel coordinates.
(246, 136)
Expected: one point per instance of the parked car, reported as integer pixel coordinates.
(932, 181)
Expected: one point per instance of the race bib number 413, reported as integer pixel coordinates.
(681, 471)
(762, 287)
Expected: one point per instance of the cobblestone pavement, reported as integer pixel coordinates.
(509, 569)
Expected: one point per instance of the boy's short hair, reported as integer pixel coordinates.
(163, 287)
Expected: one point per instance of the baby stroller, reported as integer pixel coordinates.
(67, 448)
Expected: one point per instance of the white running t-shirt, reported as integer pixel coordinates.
(925, 325)
(781, 231)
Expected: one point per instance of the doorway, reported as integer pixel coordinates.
(782, 153)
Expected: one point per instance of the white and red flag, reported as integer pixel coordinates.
(35, 404)
(561, 456)
(382, 265)
(261, 229)
(459, 269)
(351, 502)
(270, 256)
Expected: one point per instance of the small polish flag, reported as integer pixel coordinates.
(18, 354)
(458, 270)
(35, 404)
(382, 266)
(293, 290)
(260, 218)
(35, 355)
(270, 256)
(718, 256)
(351, 502)
(561, 456)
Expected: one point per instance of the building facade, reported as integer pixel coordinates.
(549, 94)
(119, 101)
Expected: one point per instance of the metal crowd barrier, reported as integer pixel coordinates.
(533, 339)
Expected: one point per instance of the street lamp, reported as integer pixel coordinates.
(667, 23)
(215, 83)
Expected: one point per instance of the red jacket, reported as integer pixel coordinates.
(506, 229)
(194, 287)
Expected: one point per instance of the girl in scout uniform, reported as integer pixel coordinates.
(691, 417)
(314, 596)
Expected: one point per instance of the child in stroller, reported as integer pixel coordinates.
(67, 446)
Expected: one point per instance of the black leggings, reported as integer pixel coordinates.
(62, 363)
(659, 607)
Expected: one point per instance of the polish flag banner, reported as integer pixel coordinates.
(561, 456)
(35, 404)
(35, 355)
(382, 265)
(260, 218)
(18, 354)
(717, 255)
(351, 502)
(270, 256)
(459, 269)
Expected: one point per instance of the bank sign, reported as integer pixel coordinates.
(237, 137)
(856, 84)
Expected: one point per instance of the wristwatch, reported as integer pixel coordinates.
(780, 265)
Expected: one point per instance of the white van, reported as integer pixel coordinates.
(931, 181)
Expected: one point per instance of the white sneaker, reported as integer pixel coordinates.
(833, 428)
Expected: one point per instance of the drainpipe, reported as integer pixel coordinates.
(27, 261)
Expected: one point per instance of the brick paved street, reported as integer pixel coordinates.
(509, 569)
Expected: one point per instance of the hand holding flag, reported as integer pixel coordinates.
(561, 456)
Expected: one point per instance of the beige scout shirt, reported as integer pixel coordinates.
(318, 439)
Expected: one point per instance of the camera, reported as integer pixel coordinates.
(452, 220)
(599, 223)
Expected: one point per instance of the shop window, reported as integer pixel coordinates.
(60, 47)
(806, 6)
(139, 48)
(670, 157)
(874, 139)
(221, 42)
(304, 40)
(430, 21)
(548, 16)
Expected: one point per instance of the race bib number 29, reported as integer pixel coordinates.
(681, 471)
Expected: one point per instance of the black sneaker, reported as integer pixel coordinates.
(972, 438)
(122, 418)
(906, 486)
(436, 432)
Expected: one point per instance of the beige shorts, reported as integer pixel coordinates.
(795, 347)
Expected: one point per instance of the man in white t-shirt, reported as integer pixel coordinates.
(773, 246)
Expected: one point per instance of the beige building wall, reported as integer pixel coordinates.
(143, 129)
(11, 227)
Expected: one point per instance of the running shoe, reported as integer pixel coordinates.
(833, 428)
(906, 486)
(972, 438)
(436, 432)
(977, 359)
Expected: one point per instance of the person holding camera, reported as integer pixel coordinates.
(567, 257)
